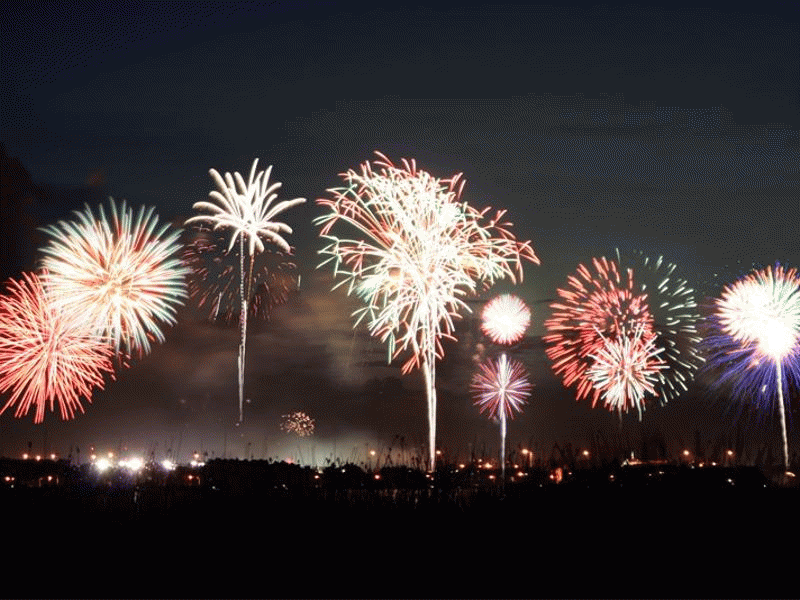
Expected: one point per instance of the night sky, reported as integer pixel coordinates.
(669, 130)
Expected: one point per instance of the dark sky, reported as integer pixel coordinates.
(670, 130)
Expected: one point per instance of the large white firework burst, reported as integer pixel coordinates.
(420, 252)
(756, 328)
(118, 274)
(246, 209)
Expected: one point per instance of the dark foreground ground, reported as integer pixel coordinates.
(258, 529)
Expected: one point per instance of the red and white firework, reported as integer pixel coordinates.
(44, 357)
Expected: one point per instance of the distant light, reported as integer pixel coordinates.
(103, 464)
(134, 464)
(168, 465)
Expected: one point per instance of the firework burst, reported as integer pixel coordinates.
(625, 369)
(213, 281)
(117, 274)
(505, 319)
(44, 357)
(501, 387)
(248, 212)
(421, 251)
(596, 307)
(754, 338)
(298, 423)
(672, 303)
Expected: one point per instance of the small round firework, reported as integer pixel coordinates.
(505, 319)
(298, 423)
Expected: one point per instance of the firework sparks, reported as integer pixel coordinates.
(298, 423)
(44, 358)
(501, 387)
(213, 281)
(625, 369)
(119, 275)
(595, 307)
(421, 252)
(247, 210)
(672, 303)
(755, 332)
(505, 319)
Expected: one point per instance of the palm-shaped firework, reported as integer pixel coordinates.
(247, 210)
(754, 337)
(46, 357)
(501, 386)
(117, 274)
(421, 251)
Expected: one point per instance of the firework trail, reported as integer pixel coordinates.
(298, 423)
(675, 315)
(213, 281)
(754, 338)
(247, 210)
(420, 252)
(117, 274)
(44, 357)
